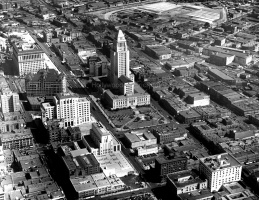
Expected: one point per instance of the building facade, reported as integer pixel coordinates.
(70, 109)
(166, 165)
(102, 139)
(9, 102)
(96, 184)
(17, 140)
(119, 59)
(28, 58)
(9, 99)
(220, 169)
(140, 139)
(46, 82)
(82, 165)
(185, 181)
(120, 77)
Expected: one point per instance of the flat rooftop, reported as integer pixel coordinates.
(139, 136)
(220, 161)
(186, 177)
(114, 163)
(17, 135)
(159, 7)
(220, 74)
(95, 181)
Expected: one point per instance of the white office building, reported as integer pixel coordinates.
(70, 109)
(102, 139)
(220, 169)
(120, 77)
(119, 59)
(9, 100)
(28, 58)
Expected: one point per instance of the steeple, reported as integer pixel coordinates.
(121, 37)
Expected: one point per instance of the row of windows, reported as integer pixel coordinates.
(30, 57)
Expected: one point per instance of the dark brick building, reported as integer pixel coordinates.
(172, 163)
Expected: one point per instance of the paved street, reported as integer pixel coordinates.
(52, 57)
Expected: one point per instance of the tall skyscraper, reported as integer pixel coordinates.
(9, 99)
(119, 59)
(70, 109)
(122, 79)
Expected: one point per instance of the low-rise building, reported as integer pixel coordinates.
(81, 165)
(221, 59)
(8, 126)
(158, 51)
(219, 75)
(140, 139)
(115, 163)
(248, 107)
(96, 184)
(145, 150)
(198, 99)
(240, 56)
(174, 105)
(168, 133)
(188, 116)
(186, 181)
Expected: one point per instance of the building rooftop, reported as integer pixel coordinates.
(16, 135)
(25, 48)
(139, 136)
(184, 178)
(47, 75)
(220, 161)
(167, 159)
(95, 181)
(197, 195)
(221, 74)
(83, 184)
(100, 129)
(114, 163)
(199, 95)
(124, 79)
(188, 114)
